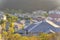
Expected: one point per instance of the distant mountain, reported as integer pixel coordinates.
(30, 5)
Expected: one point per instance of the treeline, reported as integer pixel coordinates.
(43, 36)
(12, 11)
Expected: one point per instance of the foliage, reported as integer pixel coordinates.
(45, 36)
(3, 24)
(25, 38)
(2, 21)
(19, 37)
(45, 14)
(11, 18)
(34, 38)
(13, 11)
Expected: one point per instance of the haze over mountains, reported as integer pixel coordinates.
(30, 5)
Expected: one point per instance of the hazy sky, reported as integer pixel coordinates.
(30, 5)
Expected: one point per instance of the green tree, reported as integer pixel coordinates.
(45, 15)
(45, 36)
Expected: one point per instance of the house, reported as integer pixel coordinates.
(4, 17)
(38, 13)
(37, 28)
(39, 19)
(1, 16)
(55, 17)
(56, 11)
(58, 23)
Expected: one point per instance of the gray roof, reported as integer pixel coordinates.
(30, 26)
(44, 27)
(41, 27)
(58, 23)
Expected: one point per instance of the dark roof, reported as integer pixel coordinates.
(41, 27)
(30, 26)
(44, 27)
(58, 23)
(21, 31)
(54, 15)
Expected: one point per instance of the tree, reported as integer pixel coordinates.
(25, 38)
(17, 36)
(34, 38)
(4, 35)
(45, 15)
(3, 24)
(45, 36)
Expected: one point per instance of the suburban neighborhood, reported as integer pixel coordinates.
(28, 24)
(29, 19)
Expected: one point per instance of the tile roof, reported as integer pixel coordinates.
(58, 23)
(54, 15)
(42, 27)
